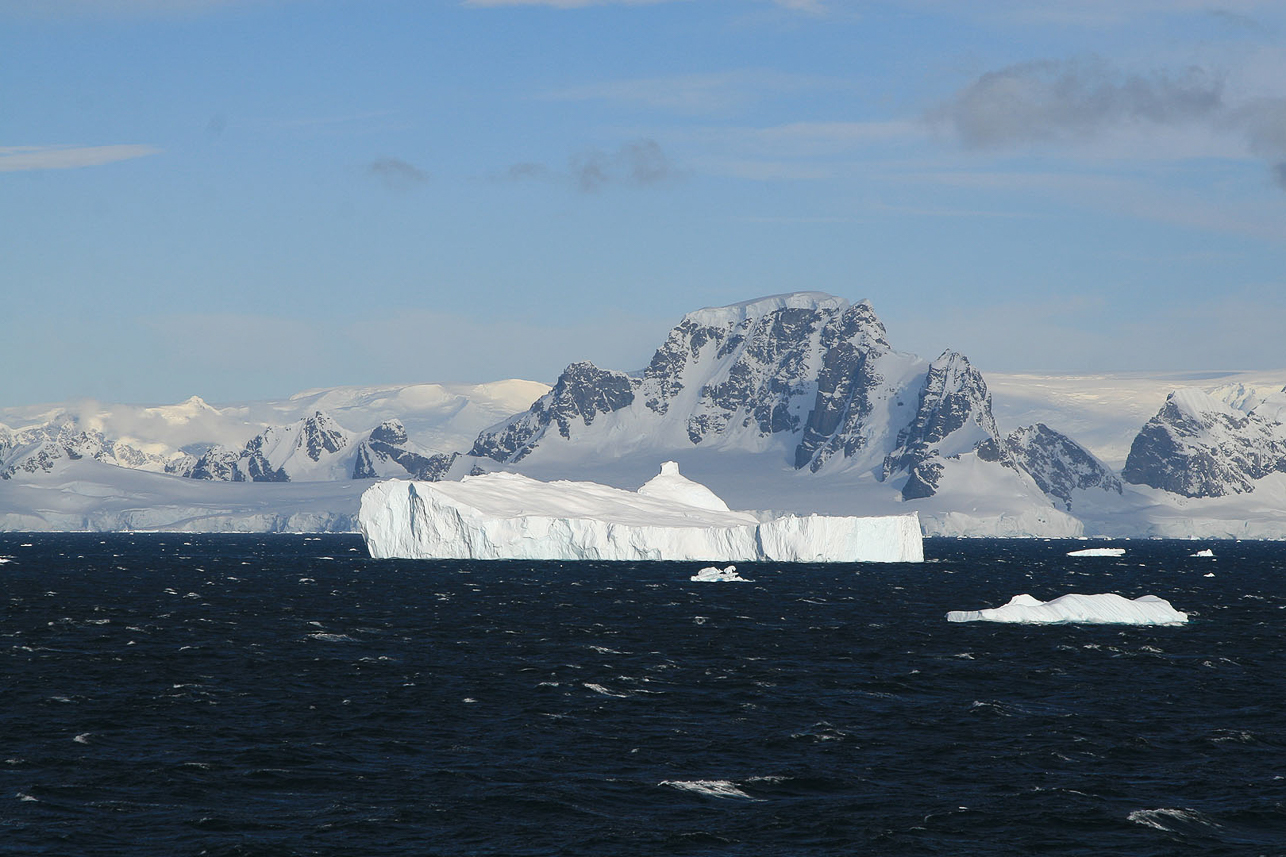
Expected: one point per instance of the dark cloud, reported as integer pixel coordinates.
(590, 170)
(645, 161)
(1068, 101)
(396, 174)
(1076, 99)
(639, 162)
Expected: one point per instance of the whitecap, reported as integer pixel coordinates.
(82, 738)
(708, 788)
(598, 688)
(26, 797)
(332, 638)
(1171, 820)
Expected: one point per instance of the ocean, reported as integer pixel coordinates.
(170, 694)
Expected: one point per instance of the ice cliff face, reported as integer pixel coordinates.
(509, 516)
(1198, 445)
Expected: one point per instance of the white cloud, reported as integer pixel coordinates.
(22, 158)
(1087, 108)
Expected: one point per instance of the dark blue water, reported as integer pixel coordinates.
(172, 695)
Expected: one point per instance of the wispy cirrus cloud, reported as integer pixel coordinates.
(637, 163)
(24, 158)
(703, 93)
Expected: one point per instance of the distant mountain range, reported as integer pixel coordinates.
(793, 403)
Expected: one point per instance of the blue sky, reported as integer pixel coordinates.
(241, 199)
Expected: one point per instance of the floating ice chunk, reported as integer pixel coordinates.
(509, 516)
(709, 788)
(1206, 552)
(718, 575)
(1106, 609)
(1098, 552)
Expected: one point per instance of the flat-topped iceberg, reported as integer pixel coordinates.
(509, 516)
(1098, 552)
(1105, 609)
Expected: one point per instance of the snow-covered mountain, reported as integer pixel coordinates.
(318, 449)
(1204, 445)
(792, 403)
(345, 432)
(796, 401)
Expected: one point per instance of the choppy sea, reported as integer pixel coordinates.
(287, 695)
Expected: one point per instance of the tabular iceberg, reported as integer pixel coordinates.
(509, 516)
(1098, 552)
(1106, 609)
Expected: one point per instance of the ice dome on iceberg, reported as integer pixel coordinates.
(509, 516)
(1105, 609)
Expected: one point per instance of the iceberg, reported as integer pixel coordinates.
(510, 516)
(718, 575)
(1203, 553)
(1098, 552)
(1106, 609)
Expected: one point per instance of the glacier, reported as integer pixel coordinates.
(1104, 609)
(510, 516)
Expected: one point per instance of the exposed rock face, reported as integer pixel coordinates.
(1200, 446)
(807, 374)
(582, 393)
(953, 417)
(1058, 464)
(848, 387)
(387, 443)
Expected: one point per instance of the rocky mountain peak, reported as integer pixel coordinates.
(953, 417)
(1198, 445)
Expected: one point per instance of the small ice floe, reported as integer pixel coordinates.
(1098, 552)
(82, 738)
(1208, 574)
(1105, 609)
(1206, 552)
(4, 559)
(708, 788)
(332, 638)
(718, 575)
